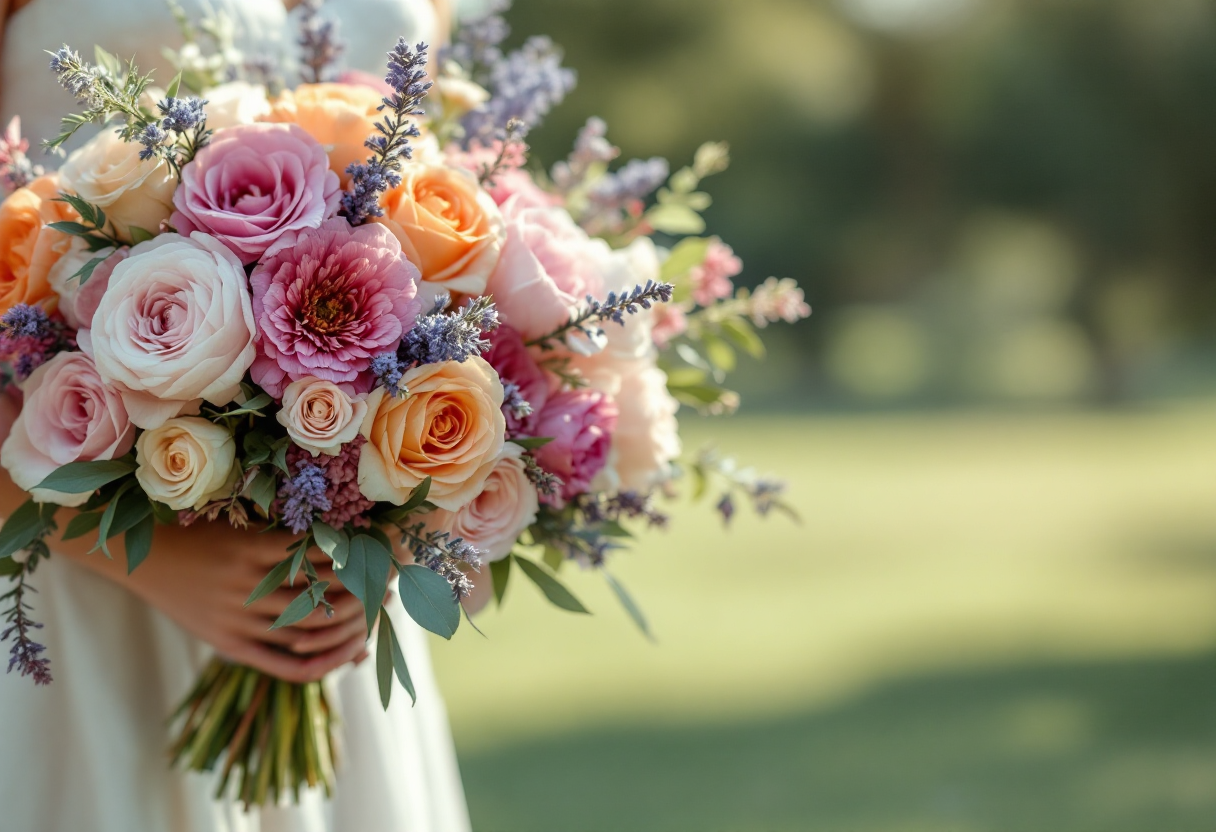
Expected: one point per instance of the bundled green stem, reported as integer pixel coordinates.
(273, 737)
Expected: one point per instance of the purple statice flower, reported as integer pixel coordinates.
(26, 321)
(382, 171)
(304, 497)
(454, 336)
(628, 504)
(181, 115)
(638, 179)
(388, 370)
(524, 85)
(74, 75)
(346, 503)
(477, 42)
(153, 138)
(29, 337)
(320, 44)
(591, 148)
(16, 169)
(515, 407)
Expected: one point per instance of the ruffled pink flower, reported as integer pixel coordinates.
(711, 280)
(514, 363)
(253, 183)
(347, 504)
(580, 423)
(326, 301)
(511, 180)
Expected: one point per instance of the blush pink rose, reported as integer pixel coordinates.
(326, 301)
(514, 364)
(253, 183)
(581, 424)
(547, 267)
(69, 415)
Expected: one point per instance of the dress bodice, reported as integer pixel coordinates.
(142, 28)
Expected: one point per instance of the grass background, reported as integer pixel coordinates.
(985, 621)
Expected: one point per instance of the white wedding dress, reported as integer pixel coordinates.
(87, 753)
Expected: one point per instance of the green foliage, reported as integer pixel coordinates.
(301, 606)
(332, 542)
(366, 573)
(550, 585)
(21, 528)
(274, 580)
(500, 573)
(631, 607)
(138, 541)
(428, 599)
(81, 477)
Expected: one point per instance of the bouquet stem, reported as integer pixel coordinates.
(275, 736)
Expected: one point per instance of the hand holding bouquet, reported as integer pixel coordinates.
(320, 309)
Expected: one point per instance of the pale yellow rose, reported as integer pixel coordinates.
(319, 415)
(450, 428)
(109, 173)
(493, 520)
(185, 463)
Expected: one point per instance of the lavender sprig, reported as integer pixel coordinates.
(513, 401)
(304, 497)
(443, 554)
(25, 656)
(475, 45)
(631, 505)
(382, 170)
(547, 484)
(454, 336)
(512, 153)
(319, 42)
(524, 85)
(613, 308)
(591, 148)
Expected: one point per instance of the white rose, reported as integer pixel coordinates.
(185, 463)
(174, 327)
(319, 416)
(109, 173)
(647, 436)
(237, 102)
(493, 520)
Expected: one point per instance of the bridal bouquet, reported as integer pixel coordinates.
(316, 308)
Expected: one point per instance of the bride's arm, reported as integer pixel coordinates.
(200, 577)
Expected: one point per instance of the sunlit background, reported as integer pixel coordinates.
(999, 426)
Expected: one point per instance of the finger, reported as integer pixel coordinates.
(318, 641)
(298, 669)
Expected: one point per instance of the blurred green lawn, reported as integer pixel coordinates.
(985, 622)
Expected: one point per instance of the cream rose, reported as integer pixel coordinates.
(450, 428)
(494, 519)
(185, 463)
(319, 416)
(236, 102)
(109, 173)
(647, 436)
(68, 416)
(174, 327)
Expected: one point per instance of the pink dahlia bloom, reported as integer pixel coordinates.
(254, 182)
(514, 363)
(326, 301)
(580, 423)
(711, 280)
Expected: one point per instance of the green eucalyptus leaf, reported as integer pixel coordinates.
(82, 524)
(133, 507)
(74, 228)
(275, 579)
(384, 659)
(254, 406)
(262, 490)
(163, 514)
(107, 518)
(631, 607)
(500, 573)
(20, 529)
(297, 560)
(138, 541)
(332, 542)
(82, 477)
(279, 454)
(417, 496)
(428, 599)
(550, 585)
(86, 271)
(553, 558)
(366, 574)
(399, 665)
(531, 443)
(301, 607)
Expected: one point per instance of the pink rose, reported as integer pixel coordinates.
(326, 301)
(174, 327)
(547, 267)
(647, 435)
(711, 280)
(581, 424)
(514, 365)
(254, 182)
(69, 415)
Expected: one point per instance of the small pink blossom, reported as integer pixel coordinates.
(252, 184)
(581, 424)
(511, 180)
(326, 301)
(711, 280)
(669, 322)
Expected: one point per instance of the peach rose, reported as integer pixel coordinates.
(494, 519)
(109, 173)
(28, 249)
(185, 463)
(450, 428)
(340, 117)
(448, 227)
(319, 416)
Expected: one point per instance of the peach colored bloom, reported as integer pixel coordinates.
(319, 416)
(448, 227)
(339, 116)
(450, 428)
(28, 249)
(185, 463)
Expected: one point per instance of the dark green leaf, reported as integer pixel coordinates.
(500, 572)
(271, 582)
(82, 477)
(257, 448)
(86, 209)
(139, 541)
(366, 574)
(68, 227)
(399, 665)
(297, 560)
(262, 490)
(133, 507)
(418, 495)
(86, 271)
(553, 589)
(301, 607)
(332, 542)
(140, 235)
(9, 567)
(531, 443)
(21, 528)
(612, 528)
(631, 607)
(279, 454)
(107, 518)
(429, 600)
(380, 536)
(163, 514)
(553, 558)
(384, 659)
(719, 353)
(254, 405)
(82, 524)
